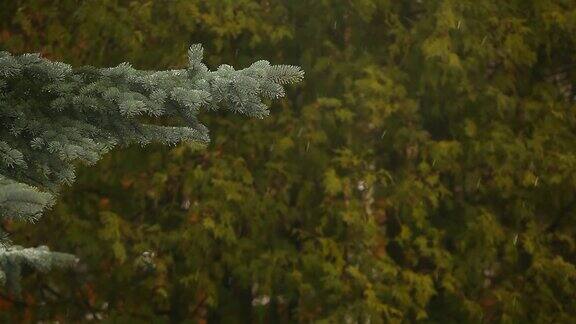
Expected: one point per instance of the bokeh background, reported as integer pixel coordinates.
(424, 171)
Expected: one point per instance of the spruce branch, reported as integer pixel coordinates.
(53, 116)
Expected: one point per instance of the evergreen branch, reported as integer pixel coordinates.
(80, 114)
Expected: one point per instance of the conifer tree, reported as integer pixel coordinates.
(53, 116)
(424, 174)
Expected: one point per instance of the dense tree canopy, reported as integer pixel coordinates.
(425, 171)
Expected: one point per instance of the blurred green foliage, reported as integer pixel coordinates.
(424, 172)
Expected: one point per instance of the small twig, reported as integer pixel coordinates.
(200, 304)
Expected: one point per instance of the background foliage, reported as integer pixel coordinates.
(425, 171)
